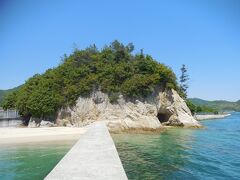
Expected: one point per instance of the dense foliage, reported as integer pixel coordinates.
(4, 93)
(221, 106)
(114, 69)
(200, 108)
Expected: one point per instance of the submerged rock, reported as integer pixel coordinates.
(161, 108)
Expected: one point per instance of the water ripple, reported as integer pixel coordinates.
(211, 153)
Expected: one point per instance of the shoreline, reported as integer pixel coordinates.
(211, 116)
(37, 135)
(9, 135)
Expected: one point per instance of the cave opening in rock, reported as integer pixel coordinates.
(163, 117)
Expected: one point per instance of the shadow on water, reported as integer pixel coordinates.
(183, 153)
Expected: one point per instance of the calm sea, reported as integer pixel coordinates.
(31, 161)
(210, 153)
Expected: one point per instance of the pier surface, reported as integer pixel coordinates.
(93, 157)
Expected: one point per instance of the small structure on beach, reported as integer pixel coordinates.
(9, 118)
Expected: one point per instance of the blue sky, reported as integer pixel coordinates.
(203, 34)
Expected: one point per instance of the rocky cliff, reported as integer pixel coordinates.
(152, 113)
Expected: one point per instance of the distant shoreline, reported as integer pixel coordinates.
(211, 116)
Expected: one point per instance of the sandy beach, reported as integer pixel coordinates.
(28, 135)
(211, 116)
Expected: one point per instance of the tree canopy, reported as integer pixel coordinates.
(113, 69)
(200, 108)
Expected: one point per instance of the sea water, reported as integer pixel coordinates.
(209, 153)
(31, 161)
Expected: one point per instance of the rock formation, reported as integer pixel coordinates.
(37, 122)
(152, 113)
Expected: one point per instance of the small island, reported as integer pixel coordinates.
(128, 91)
(117, 90)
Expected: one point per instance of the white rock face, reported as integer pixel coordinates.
(36, 122)
(166, 107)
(175, 106)
(46, 124)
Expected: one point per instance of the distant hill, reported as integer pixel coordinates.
(220, 105)
(3, 93)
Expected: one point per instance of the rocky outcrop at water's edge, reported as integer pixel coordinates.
(152, 113)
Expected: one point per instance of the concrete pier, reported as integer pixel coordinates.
(93, 157)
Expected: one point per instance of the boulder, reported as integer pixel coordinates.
(46, 124)
(37, 122)
(34, 122)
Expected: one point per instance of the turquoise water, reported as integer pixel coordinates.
(210, 153)
(31, 161)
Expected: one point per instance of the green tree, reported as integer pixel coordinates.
(114, 70)
(10, 101)
(184, 77)
(192, 107)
